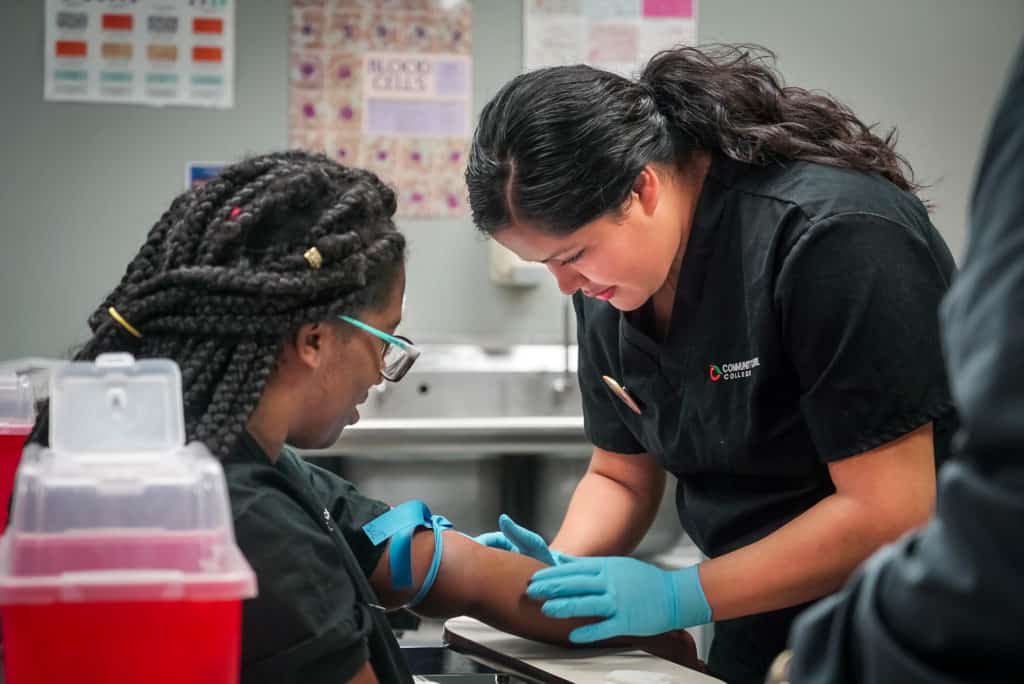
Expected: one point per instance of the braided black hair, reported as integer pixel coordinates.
(222, 280)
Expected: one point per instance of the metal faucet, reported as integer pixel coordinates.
(563, 383)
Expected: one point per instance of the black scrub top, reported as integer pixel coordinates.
(804, 331)
(944, 604)
(300, 527)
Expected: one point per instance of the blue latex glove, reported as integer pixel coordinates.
(518, 539)
(637, 598)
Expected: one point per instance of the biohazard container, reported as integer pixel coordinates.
(120, 563)
(17, 416)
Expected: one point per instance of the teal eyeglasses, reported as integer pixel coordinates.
(399, 352)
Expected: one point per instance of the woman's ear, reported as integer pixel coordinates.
(647, 189)
(309, 342)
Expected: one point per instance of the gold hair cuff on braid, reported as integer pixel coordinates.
(123, 323)
(315, 259)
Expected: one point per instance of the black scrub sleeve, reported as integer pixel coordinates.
(857, 299)
(306, 624)
(350, 511)
(602, 423)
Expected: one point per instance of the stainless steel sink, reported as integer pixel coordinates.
(475, 432)
(490, 393)
(521, 399)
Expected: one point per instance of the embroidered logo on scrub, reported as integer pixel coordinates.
(733, 371)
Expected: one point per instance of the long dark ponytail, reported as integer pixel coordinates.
(730, 98)
(558, 147)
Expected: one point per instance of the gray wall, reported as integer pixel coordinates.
(82, 182)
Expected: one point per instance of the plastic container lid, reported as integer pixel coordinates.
(116, 406)
(118, 508)
(36, 369)
(17, 404)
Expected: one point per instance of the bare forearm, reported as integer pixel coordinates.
(810, 557)
(490, 585)
(880, 494)
(605, 518)
(474, 580)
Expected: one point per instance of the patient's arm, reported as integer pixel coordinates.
(490, 585)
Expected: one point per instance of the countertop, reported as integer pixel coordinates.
(552, 664)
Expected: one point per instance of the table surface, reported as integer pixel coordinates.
(556, 665)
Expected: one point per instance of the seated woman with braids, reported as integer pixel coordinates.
(277, 287)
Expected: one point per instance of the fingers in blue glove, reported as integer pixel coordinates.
(495, 540)
(570, 568)
(567, 586)
(636, 598)
(587, 606)
(527, 541)
(597, 631)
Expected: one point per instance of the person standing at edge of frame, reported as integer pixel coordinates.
(943, 604)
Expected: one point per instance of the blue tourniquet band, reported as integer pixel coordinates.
(398, 525)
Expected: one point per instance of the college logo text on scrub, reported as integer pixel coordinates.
(733, 371)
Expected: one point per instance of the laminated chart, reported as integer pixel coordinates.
(387, 85)
(150, 52)
(616, 35)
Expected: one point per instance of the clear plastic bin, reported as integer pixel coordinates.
(120, 562)
(17, 417)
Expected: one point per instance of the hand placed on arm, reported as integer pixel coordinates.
(517, 539)
(633, 598)
(491, 585)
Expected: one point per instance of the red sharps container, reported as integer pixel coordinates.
(17, 416)
(120, 563)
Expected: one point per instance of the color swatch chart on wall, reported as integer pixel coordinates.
(616, 35)
(387, 85)
(151, 52)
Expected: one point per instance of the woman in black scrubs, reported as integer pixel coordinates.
(756, 287)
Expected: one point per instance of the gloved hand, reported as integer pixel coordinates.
(518, 539)
(637, 598)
